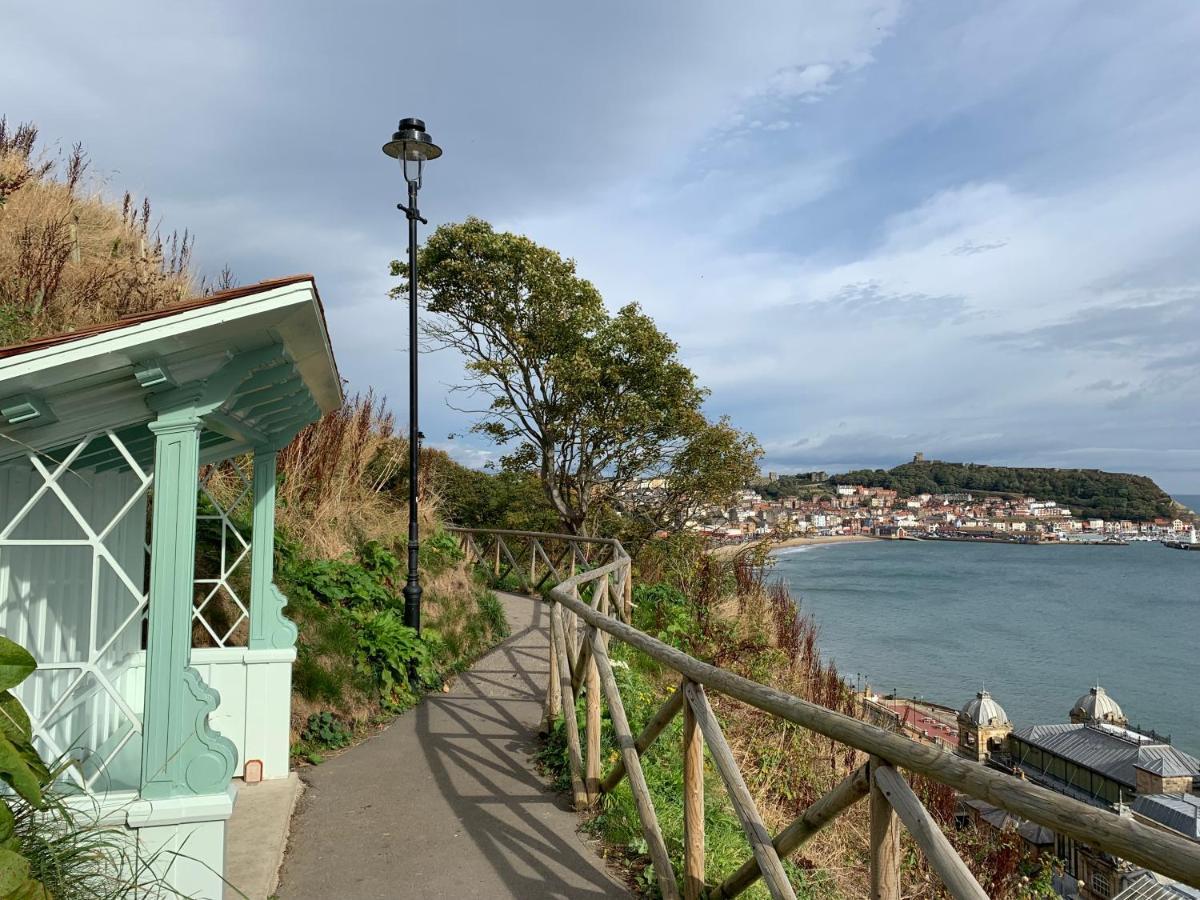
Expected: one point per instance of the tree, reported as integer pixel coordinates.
(590, 402)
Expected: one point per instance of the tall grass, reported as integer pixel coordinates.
(70, 257)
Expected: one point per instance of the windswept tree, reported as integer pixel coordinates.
(593, 403)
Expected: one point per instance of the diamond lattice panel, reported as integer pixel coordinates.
(222, 615)
(73, 591)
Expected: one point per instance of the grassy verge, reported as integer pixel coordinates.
(725, 612)
(354, 654)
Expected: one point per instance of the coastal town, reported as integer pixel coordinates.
(861, 511)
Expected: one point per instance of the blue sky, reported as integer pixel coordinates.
(874, 227)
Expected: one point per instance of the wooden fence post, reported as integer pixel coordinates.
(592, 779)
(567, 701)
(627, 598)
(693, 809)
(885, 842)
(553, 686)
(496, 563)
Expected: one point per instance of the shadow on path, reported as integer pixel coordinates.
(446, 802)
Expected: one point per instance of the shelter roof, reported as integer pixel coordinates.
(269, 339)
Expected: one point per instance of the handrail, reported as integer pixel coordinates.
(1156, 849)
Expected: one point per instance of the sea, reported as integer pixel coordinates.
(1034, 625)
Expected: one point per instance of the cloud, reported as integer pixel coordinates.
(869, 302)
(873, 227)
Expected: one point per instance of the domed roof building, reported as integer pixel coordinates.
(1097, 706)
(983, 710)
(983, 727)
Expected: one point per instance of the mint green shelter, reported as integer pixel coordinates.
(104, 434)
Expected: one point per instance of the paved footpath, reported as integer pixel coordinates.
(446, 802)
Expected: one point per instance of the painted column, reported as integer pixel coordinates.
(269, 627)
(181, 754)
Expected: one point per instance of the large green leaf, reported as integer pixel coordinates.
(14, 872)
(16, 664)
(29, 889)
(14, 721)
(22, 770)
(6, 822)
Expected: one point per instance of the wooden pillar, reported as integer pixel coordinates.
(693, 806)
(181, 754)
(496, 561)
(885, 843)
(269, 627)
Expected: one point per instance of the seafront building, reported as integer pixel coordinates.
(881, 512)
(1098, 758)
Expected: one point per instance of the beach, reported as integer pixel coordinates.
(731, 549)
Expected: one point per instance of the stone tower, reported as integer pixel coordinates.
(983, 727)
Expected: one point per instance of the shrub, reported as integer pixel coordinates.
(324, 729)
(391, 650)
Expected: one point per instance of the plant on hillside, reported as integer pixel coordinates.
(391, 651)
(727, 610)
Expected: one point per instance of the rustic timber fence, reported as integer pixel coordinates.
(590, 605)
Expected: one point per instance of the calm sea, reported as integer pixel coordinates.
(1036, 625)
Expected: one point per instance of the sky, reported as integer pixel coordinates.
(874, 227)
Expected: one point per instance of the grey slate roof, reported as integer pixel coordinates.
(1111, 751)
(1179, 812)
(1002, 821)
(1148, 887)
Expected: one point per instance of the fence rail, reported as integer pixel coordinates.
(590, 605)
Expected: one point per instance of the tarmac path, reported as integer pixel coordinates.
(447, 802)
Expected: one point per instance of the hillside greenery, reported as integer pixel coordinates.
(1086, 492)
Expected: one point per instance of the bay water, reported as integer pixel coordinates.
(1036, 625)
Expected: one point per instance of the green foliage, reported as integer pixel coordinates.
(342, 582)
(440, 551)
(590, 402)
(475, 499)
(391, 650)
(1086, 492)
(324, 729)
(48, 848)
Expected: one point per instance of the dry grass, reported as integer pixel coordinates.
(70, 257)
(334, 493)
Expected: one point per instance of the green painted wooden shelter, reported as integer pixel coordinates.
(104, 434)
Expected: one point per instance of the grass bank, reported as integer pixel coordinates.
(726, 611)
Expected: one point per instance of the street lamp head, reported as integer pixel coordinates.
(412, 143)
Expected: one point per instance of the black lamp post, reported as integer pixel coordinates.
(412, 145)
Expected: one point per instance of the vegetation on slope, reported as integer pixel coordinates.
(724, 611)
(1086, 492)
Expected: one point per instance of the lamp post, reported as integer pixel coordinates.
(412, 145)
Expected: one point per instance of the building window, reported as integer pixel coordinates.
(1100, 885)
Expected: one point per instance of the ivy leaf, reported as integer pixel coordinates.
(14, 872)
(16, 664)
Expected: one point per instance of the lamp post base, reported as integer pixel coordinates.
(412, 605)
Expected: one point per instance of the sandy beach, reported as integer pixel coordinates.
(731, 549)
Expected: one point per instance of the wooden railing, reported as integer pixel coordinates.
(591, 607)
